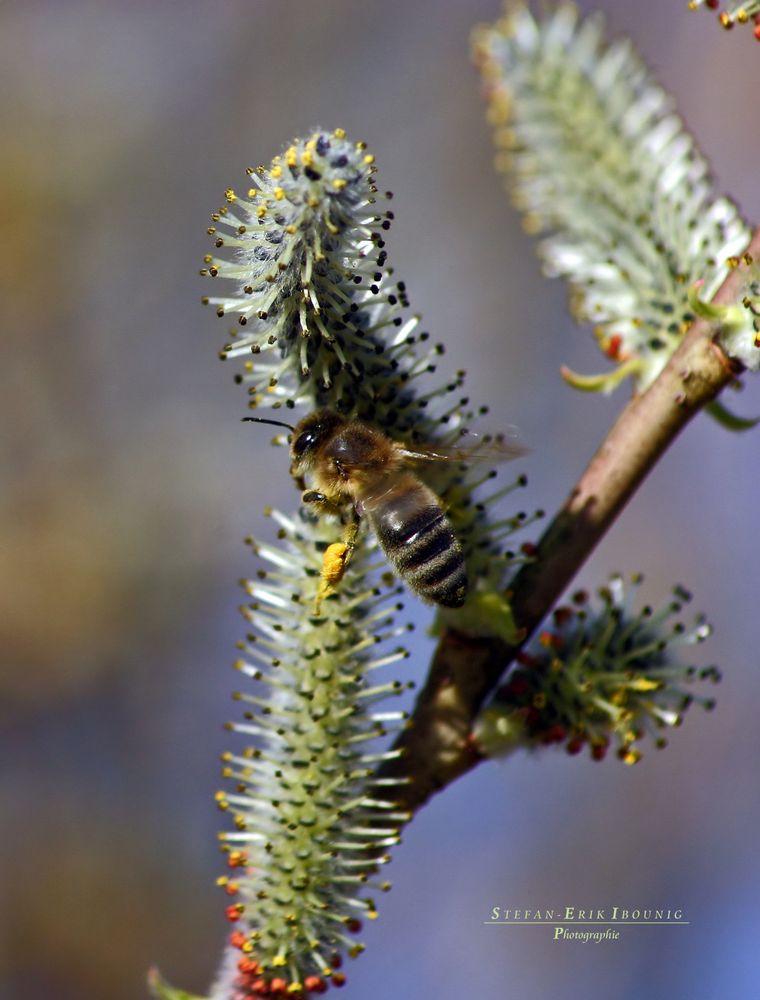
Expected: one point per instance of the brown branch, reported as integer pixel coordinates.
(465, 669)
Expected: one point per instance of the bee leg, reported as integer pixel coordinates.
(328, 506)
(352, 531)
(335, 562)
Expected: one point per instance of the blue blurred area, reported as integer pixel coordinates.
(128, 483)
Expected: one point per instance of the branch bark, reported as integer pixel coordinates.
(465, 669)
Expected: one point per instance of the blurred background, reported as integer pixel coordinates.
(128, 484)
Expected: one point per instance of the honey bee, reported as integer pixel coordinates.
(354, 466)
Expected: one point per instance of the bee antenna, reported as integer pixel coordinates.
(263, 420)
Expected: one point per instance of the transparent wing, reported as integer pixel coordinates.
(471, 448)
(398, 482)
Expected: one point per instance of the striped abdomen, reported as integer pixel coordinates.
(419, 542)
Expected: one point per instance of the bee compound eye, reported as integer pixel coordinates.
(305, 442)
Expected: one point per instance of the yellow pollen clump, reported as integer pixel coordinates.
(499, 110)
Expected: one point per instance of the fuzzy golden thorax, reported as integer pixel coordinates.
(341, 457)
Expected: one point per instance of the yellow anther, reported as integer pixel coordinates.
(499, 110)
(279, 193)
(645, 684)
(339, 183)
(230, 195)
(340, 133)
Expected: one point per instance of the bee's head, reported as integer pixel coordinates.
(312, 432)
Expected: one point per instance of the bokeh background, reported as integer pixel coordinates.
(128, 483)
